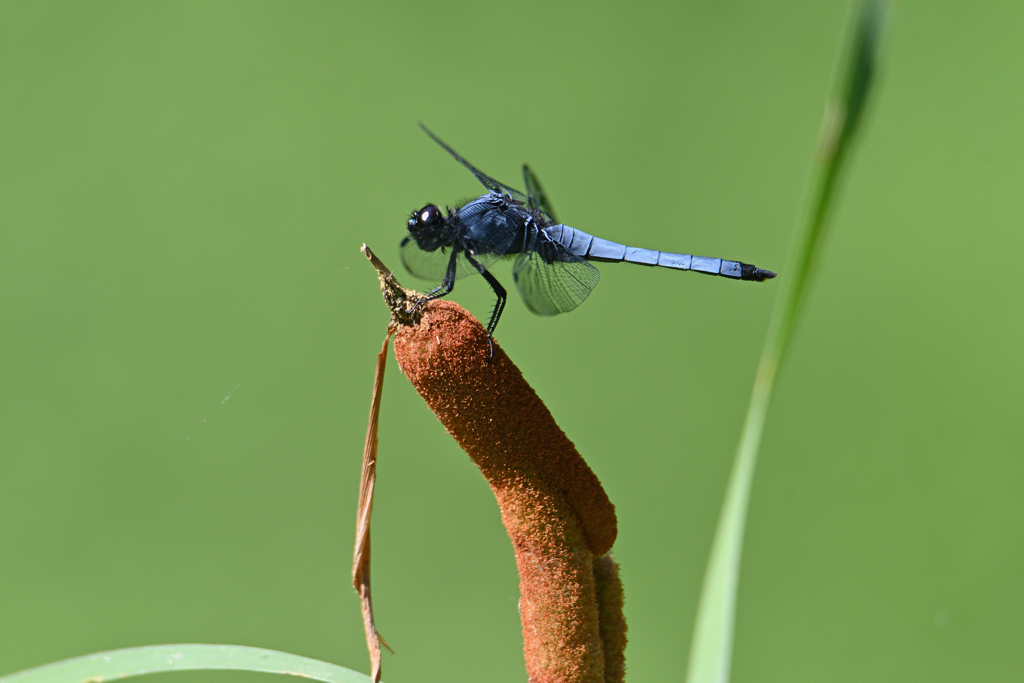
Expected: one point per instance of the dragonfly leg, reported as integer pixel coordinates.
(444, 289)
(499, 305)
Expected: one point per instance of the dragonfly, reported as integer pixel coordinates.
(552, 265)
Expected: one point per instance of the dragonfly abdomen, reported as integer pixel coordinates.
(596, 249)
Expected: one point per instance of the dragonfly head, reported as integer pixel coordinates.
(427, 227)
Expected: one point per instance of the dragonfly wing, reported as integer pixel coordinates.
(432, 265)
(426, 265)
(486, 260)
(487, 181)
(552, 280)
(536, 198)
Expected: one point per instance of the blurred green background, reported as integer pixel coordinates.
(183, 191)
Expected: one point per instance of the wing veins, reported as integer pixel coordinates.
(485, 180)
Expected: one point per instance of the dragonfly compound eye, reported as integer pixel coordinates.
(426, 218)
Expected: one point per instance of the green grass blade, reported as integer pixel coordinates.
(711, 648)
(136, 661)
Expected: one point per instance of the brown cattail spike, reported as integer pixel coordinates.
(559, 518)
(553, 506)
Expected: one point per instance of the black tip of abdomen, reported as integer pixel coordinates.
(749, 272)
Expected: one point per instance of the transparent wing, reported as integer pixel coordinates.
(536, 199)
(432, 265)
(551, 279)
(426, 265)
(487, 181)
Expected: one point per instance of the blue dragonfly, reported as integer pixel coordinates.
(552, 268)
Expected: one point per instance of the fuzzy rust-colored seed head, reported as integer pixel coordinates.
(497, 418)
(554, 508)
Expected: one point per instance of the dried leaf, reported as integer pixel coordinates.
(361, 557)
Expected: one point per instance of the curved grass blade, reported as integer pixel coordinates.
(711, 648)
(136, 661)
